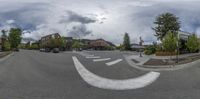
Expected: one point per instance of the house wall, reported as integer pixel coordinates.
(99, 44)
(46, 41)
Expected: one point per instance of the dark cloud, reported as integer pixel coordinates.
(75, 17)
(79, 31)
(27, 16)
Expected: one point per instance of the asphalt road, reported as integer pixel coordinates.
(38, 75)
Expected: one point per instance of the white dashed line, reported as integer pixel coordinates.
(99, 60)
(89, 55)
(93, 57)
(114, 62)
(114, 84)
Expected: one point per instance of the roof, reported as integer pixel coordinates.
(184, 33)
(68, 38)
(136, 46)
(110, 43)
(51, 34)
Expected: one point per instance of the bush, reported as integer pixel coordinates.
(109, 48)
(169, 43)
(34, 46)
(7, 46)
(150, 50)
(193, 44)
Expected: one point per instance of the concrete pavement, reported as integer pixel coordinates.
(38, 75)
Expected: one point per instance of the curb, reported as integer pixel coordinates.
(161, 67)
(6, 57)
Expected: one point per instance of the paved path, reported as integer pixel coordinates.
(38, 75)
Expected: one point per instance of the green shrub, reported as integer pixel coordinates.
(34, 46)
(150, 50)
(109, 48)
(7, 46)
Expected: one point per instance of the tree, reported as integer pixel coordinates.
(126, 42)
(4, 38)
(120, 47)
(169, 42)
(109, 47)
(15, 37)
(193, 43)
(76, 45)
(164, 23)
(7, 46)
(62, 42)
(34, 46)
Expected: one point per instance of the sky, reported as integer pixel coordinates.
(93, 19)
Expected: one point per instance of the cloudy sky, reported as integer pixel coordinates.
(107, 19)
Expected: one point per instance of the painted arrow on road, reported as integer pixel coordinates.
(114, 84)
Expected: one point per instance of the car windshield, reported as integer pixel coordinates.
(99, 49)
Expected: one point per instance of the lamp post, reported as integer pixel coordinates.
(140, 43)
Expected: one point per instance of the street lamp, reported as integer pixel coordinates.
(140, 43)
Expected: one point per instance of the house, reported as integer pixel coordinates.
(69, 43)
(183, 37)
(46, 41)
(85, 43)
(137, 47)
(100, 44)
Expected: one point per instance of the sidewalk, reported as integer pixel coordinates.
(4, 54)
(157, 63)
(179, 56)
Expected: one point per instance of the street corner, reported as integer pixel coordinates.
(101, 81)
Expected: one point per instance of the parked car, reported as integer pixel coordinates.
(42, 50)
(56, 50)
(16, 49)
(47, 50)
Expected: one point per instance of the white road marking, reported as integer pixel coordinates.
(93, 57)
(99, 60)
(114, 84)
(89, 55)
(114, 62)
(86, 54)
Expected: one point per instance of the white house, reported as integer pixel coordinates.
(184, 35)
